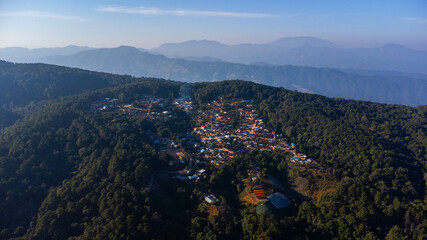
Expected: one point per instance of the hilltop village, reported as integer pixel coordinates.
(219, 132)
(223, 129)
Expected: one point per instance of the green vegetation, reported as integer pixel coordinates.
(69, 173)
(26, 87)
(377, 152)
(65, 141)
(26, 83)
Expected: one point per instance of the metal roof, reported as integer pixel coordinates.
(279, 200)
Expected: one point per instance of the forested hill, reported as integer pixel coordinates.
(65, 149)
(23, 86)
(68, 172)
(24, 83)
(378, 153)
(318, 123)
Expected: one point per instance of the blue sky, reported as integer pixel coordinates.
(148, 24)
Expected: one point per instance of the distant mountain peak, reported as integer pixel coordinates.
(392, 46)
(127, 47)
(195, 43)
(204, 41)
(123, 49)
(293, 42)
(76, 46)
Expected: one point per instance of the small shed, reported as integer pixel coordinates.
(211, 199)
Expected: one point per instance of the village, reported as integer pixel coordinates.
(220, 131)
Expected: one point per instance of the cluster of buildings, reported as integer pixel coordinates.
(226, 127)
(152, 107)
(263, 191)
(104, 104)
(184, 103)
(193, 174)
(148, 106)
(302, 158)
(155, 109)
(220, 132)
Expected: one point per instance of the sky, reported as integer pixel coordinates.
(148, 24)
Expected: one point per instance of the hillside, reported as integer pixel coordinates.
(324, 81)
(74, 169)
(24, 88)
(25, 83)
(40, 152)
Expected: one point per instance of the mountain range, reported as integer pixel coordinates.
(20, 54)
(204, 61)
(304, 51)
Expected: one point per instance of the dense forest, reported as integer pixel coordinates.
(377, 152)
(26, 87)
(22, 84)
(61, 140)
(67, 172)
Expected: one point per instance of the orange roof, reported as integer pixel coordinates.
(260, 194)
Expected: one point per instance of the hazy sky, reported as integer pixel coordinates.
(148, 24)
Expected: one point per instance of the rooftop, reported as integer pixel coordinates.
(279, 200)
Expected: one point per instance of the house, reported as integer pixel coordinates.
(260, 195)
(295, 159)
(254, 173)
(211, 199)
(193, 177)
